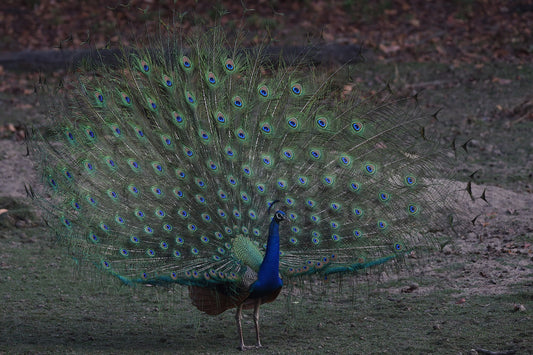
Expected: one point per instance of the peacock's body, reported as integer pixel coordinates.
(168, 170)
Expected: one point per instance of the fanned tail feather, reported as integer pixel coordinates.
(164, 170)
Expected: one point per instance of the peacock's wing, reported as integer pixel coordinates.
(161, 170)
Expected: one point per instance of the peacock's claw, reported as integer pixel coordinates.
(243, 347)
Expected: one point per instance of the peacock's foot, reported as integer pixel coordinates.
(243, 347)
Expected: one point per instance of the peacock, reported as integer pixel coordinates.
(197, 163)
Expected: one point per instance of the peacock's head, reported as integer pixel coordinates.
(280, 216)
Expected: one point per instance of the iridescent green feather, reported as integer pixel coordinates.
(164, 170)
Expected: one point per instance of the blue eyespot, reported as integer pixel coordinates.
(296, 89)
(230, 65)
(237, 101)
(357, 127)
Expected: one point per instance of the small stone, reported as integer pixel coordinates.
(519, 308)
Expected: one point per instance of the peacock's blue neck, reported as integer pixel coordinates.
(268, 279)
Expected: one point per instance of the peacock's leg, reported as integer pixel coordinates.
(238, 317)
(256, 321)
